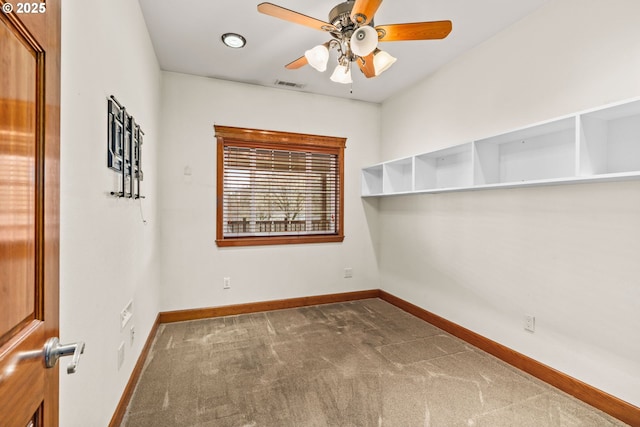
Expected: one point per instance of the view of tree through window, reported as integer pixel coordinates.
(276, 192)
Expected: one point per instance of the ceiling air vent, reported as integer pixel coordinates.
(282, 83)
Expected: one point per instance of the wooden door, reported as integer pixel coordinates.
(29, 210)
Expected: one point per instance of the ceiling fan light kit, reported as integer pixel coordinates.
(364, 40)
(355, 37)
(318, 57)
(382, 61)
(341, 74)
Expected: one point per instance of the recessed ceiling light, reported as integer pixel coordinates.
(233, 40)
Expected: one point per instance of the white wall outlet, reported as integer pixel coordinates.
(529, 323)
(120, 355)
(227, 283)
(126, 314)
(132, 334)
(348, 273)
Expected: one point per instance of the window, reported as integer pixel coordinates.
(278, 187)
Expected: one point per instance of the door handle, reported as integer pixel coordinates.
(53, 351)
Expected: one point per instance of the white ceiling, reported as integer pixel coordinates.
(186, 37)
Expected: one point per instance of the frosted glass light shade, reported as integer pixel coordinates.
(382, 61)
(364, 40)
(318, 57)
(342, 74)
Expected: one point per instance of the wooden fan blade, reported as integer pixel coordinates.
(414, 31)
(363, 11)
(366, 65)
(294, 65)
(295, 17)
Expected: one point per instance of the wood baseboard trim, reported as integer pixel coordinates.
(121, 409)
(613, 406)
(254, 307)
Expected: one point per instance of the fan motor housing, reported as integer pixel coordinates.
(340, 17)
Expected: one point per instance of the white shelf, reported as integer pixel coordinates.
(545, 151)
(610, 140)
(397, 176)
(372, 181)
(447, 168)
(602, 144)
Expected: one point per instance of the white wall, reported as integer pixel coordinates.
(566, 254)
(193, 266)
(107, 255)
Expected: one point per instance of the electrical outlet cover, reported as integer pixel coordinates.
(530, 323)
(126, 314)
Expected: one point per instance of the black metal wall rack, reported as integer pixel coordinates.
(124, 150)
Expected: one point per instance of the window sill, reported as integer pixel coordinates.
(284, 240)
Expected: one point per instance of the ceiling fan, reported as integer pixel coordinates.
(355, 37)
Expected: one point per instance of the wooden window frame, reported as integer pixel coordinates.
(269, 139)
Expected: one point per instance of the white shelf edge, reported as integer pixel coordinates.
(607, 106)
(624, 176)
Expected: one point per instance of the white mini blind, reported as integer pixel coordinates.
(273, 192)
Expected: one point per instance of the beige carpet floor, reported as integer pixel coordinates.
(363, 363)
